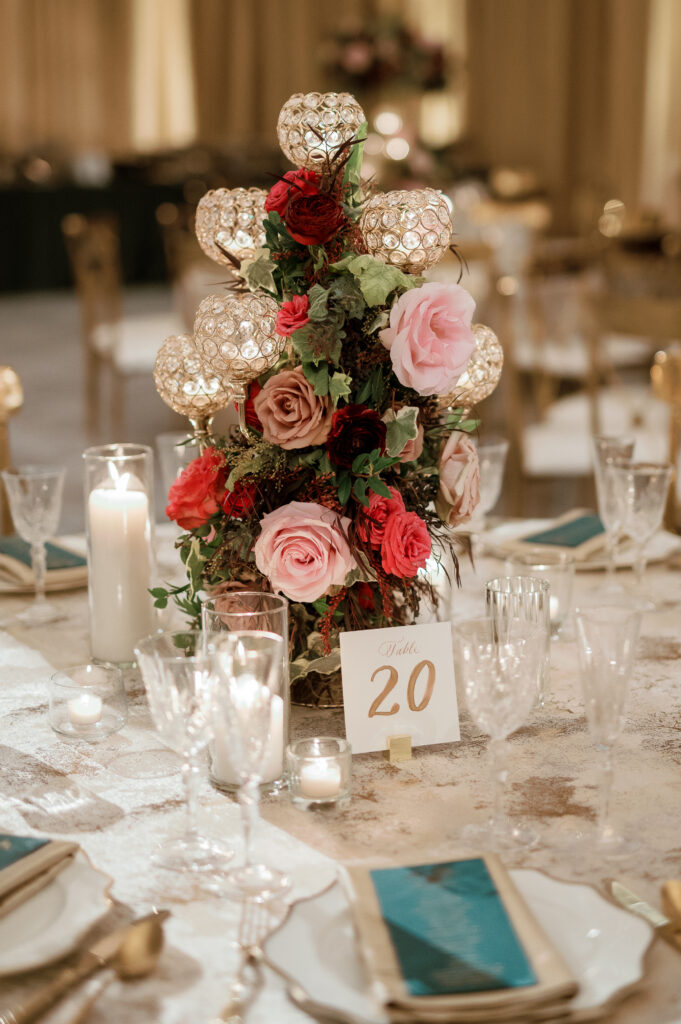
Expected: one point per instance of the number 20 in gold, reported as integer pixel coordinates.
(411, 688)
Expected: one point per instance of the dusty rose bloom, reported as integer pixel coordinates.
(459, 492)
(292, 416)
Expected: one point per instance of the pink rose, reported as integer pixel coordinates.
(372, 527)
(430, 337)
(302, 550)
(459, 470)
(406, 544)
(291, 415)
(292, 315)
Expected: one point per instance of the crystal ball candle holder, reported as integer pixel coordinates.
(236, 335)
(409, 229)
(313, 126)
(231, 219)
(482, 373)
(186, 382)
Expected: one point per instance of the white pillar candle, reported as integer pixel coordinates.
(85, 709)
(273, 756)
(554, 608)
(320, 779)
(121, 608)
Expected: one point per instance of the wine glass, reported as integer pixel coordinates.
(246, 667)
(555, 566)
(176, 673)
(641, 490)
(492, 460)
(607, 637)
(607, 452)
(500, 675)
(35, 494)
(525, 598)
(261, 611)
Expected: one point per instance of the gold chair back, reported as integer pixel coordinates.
(11, 400)
(665, 374)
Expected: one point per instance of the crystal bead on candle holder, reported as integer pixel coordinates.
(87, 702)
(313, 126)
(186, 383)
(231, 219)
(319, 772)
(408, 229)
(236, 336)
(482, 373)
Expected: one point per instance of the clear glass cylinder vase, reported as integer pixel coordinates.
(119, 522)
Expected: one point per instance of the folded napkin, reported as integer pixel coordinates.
(455, 942)
(63, 566)
(579, 532)
(27, 865)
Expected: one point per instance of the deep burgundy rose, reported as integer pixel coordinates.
(354, 429)
(292, 315)
(365, 596)
(312, 220)
(302, 182)
(239, 502)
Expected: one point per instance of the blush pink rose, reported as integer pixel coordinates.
(291, 415)
(459, 470)
(430, 337)
(302, 550)
(372, 527)
(406, 544)
(412, 449)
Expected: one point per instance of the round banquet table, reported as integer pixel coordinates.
(408, 811)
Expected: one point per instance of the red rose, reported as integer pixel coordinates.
(240, 502)
(372, 527)
(406, 544)
(302, 182)
(313, 219)
(354, 429)
(195, 495)
(293, 315)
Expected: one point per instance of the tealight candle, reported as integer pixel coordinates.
(320, 779)
(85, 709)
(319, 771)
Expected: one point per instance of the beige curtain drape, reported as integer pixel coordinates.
(558, 85)
(64, 74)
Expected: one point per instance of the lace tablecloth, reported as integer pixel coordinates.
(95, 794)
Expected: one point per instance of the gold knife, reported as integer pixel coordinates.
(667, 929)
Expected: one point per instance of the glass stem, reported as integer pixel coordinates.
(191, 779)
(39, 564)
(640, 562)
(610, 548)
(249, 799)
(498, 751)
(605, 770)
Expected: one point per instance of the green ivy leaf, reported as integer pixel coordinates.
(258, 272)
(401, 427)
(376, 279)
(318, 376)
(359, 490)
(347, 295)
(379, 486)
(318, 342)
(344, 488)
(340, 386)
(318, 297)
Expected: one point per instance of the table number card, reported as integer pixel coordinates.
(399, 681)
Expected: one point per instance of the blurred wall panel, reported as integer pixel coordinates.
(558, 86)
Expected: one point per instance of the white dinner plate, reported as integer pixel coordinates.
(602, 944)
(50, 924)
(496, 542)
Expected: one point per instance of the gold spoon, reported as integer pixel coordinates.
(132, 951)
(671, 901)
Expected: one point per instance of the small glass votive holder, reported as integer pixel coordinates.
(522, 598)
(558, 568)
(87, 702)
(319, 772)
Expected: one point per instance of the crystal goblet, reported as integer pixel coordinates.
(641, 490)
(528, 599)
(35, 494)
(246, 668)
(607, 452)
(555, 566)
(500, 675)
(176, 673)
(606, 638)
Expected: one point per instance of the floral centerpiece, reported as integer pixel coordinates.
(353, 460)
